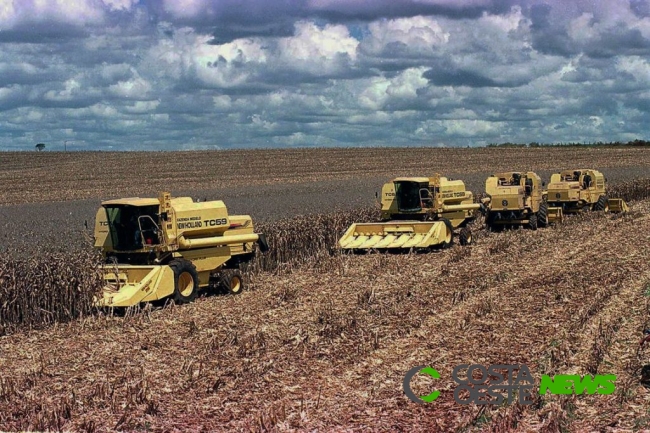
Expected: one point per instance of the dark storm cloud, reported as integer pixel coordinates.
(232, 19)
(639, 103)
(448, 77)
(616, 42)
(549, 35)
(371, 10)
(48, 32)
(640, 8)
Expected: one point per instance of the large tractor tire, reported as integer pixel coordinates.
(231, 281)
(449, 240)
(186, 281)
(602, 204)
(542, 215)
(466, 236)
(532, 222)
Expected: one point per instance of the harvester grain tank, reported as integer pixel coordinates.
(162, 247)
(582, 190)
(517, 199)
(419, 213)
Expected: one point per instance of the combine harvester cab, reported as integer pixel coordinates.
(171, 247)
(517, 199)
(416, 213)
(582, 190)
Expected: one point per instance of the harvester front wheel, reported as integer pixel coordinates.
(465, 236)
(602, 204)
(449, 234)
(232, 281)
(542, 215)
(532, 222)
(186, 281)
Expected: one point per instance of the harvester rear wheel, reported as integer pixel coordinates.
(186, 280)
(449, 238)
(465, 236)
(602, 204)
(542, 215)
(232, 281)
(532, 222)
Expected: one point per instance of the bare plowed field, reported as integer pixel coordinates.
(58, 176)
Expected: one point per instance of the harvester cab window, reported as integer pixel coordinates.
(127, 228)
(407, 194)
(426, 199)
(529, 186)
(148, 230)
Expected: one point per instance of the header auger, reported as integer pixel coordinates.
(419, 213)
(157, 248)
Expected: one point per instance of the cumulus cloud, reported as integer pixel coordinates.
(318, 51)
(241, 73)
(405, 37)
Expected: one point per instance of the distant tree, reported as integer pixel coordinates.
(40, 146)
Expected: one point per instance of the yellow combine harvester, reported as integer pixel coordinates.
(516, 199)
(582, 189)
(171, 247)
(419, 213)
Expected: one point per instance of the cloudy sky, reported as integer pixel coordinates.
(202, 74)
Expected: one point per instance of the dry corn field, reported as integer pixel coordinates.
(321, 341)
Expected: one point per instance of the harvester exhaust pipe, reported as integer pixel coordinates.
(215, 241)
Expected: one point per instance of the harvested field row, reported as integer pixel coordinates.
(37, 282)
(327, 347)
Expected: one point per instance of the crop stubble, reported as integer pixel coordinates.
(324, 341)
(335, 340)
